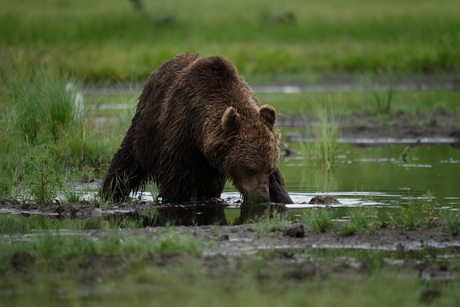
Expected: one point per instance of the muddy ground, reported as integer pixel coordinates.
(283, 254)
(244, 236)
(290, 248)
(285, 251)
(399, 126)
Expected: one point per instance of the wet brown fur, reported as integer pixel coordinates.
(197, 124)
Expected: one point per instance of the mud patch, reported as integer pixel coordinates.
(289, 253)
(427, 128)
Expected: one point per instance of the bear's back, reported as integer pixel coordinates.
(211, 84)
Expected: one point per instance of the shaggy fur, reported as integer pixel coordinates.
(197, 125)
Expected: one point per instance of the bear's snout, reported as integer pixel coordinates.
(260, 197)
(257, 192)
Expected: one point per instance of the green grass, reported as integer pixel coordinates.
(383, 100)
(418, 212)
(16, 224)
(8, 177)
(452, 221)
(318, 220)
(153, 189)
(167, 268)
(41, 105)
(50, 246)
(270, 223)
(325, 131)
(345, 103)
(108, 40)
(140, 281)
(360, 219)
(72, 196)
(45, 135)
(42, 179)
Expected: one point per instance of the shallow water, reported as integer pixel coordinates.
(371, 176)
(380, 172)
(375, 177)
(362, 176)
(380, 176)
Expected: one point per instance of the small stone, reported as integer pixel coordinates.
(296, 232)
(324, 200)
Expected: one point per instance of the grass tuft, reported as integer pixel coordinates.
(414, 214)
(8, 177)
(452, 220)
(53, 245)
(318, 220)
(325, 129)
(153, 189)
(271, 224)
(383, 99)
(44, 181)
(45, 105)
(360, 219)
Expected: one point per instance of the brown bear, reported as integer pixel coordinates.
(197, 125)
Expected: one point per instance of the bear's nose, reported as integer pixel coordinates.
(263, 198)
(260, 195)
(262, 192)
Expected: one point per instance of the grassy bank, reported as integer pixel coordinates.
(110, 40)
(47, 138)
(169, 266)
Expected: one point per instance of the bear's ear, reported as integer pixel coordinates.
(230, 120)
(268, 116)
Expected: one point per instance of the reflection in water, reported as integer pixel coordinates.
(252, 213)
(197, 214)
(318, 176)
(379, 170)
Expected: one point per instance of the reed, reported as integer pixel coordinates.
(325, 129)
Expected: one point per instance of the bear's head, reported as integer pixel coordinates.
(253, 152)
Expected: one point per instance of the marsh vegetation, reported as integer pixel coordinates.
(70, 77)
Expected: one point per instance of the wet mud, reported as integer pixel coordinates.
(198, 218)
(401, 127)
(287, 253)
(240, 234)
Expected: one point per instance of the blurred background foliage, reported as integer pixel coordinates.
(125, 40)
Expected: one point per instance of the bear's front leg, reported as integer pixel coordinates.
(278, 192)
